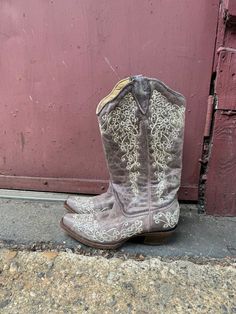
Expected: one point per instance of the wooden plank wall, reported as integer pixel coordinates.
(220, 198)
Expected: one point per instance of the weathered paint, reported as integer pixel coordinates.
(59, 58)
(221, 173)
(226, 80)
(221, 176)
(231, 11)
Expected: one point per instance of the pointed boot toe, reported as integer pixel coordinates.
(67, 222)
(71, 204)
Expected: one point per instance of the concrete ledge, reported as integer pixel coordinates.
(61, 282)
(35, 225)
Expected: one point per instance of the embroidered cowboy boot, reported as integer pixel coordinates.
(142, 131)
(75, 204)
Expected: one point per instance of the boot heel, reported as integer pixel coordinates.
(157, 238)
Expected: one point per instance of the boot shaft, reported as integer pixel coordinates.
(142, 124)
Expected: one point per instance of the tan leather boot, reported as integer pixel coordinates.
(142, 131)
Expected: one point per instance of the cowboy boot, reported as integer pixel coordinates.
(75, 204)
(142, 131)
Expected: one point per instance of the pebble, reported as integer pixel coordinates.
(13, 267)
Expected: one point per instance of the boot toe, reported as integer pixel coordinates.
(72, 202)
(68, 221)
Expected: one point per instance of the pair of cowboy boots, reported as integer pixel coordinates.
(141, 123)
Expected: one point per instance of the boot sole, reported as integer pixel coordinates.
(152, 238)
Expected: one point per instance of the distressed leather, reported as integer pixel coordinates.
(142, 130)
(96, 203)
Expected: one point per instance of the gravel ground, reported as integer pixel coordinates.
(65, 282)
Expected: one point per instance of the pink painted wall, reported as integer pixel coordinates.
(59, 58)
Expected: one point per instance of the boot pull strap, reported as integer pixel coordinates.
(113, 94)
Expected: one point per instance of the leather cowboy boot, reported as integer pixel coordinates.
(142, 131)
(102, 202)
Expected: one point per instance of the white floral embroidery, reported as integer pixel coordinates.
(86, 206)
(87, 225)
(166, 120)
(168, 219)
(122, 124)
